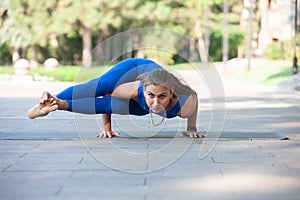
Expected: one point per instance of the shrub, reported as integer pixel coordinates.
(235, 38)
(274, 51)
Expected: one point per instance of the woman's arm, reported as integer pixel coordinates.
(123, 91)
(192, 119)
(190, 110)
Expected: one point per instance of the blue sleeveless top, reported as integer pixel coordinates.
(171, 113)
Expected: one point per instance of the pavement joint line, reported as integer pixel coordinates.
(47, 170)
(145, 181)
(59, 191)
(6, 168)
(272, 154)
(221, 172)
(147, 152)
(147, 166)
(72, 174)
(39, 139)
(81, 160)
(126, 138)
(286, 165)
(21, 156)
(37, 146)
(91, 147)
(213, 160)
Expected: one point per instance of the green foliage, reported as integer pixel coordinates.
(69, 49)
(160, 40)
(236, 38)
(5, 56)
(6, 70)
(274, 51)
(86, 74)
(66, 73)
(32, 18)
(288, 48)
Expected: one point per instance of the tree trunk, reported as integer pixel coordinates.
(249, 34)
(24, 52)
(87, 47)
(33, 61)
(16, 54)
(207, 30)
(100, 56)
(243, 25)
(191, 50)
(53, 40)
(34, 53)
(264, 35)
(225, 34)
(201, 45)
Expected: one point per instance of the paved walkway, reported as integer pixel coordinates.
(59, 165)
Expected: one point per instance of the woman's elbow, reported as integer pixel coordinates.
(186, 113)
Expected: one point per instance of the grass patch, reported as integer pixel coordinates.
(86, 74)
(69, 73)
(180, 66)
(6, 70)
(60, 74)
(64, 73)
(268, 73)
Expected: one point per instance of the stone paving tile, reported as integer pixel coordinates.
(104, 189)
(238, 185)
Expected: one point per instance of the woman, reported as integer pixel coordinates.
(135, 86)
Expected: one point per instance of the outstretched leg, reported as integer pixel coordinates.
(46, 104)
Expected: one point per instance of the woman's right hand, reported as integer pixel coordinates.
(108, 134)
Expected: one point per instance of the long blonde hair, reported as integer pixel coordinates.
(167, 79)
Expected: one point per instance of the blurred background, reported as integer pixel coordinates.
(54, 38)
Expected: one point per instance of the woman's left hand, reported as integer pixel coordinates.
(108, 134)
(192, 134)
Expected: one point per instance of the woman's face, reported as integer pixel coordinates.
(157, 97)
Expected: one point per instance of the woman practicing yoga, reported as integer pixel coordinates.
(134, 86)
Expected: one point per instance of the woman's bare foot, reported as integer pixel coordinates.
(46, 103)
(40, 110)
(47, 97)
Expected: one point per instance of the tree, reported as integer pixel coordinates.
(90, 17)
(10, 33)
(264, 38)
(27, 25)
(199, 11)
(150, 14)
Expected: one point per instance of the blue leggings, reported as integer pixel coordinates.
(91, 97)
